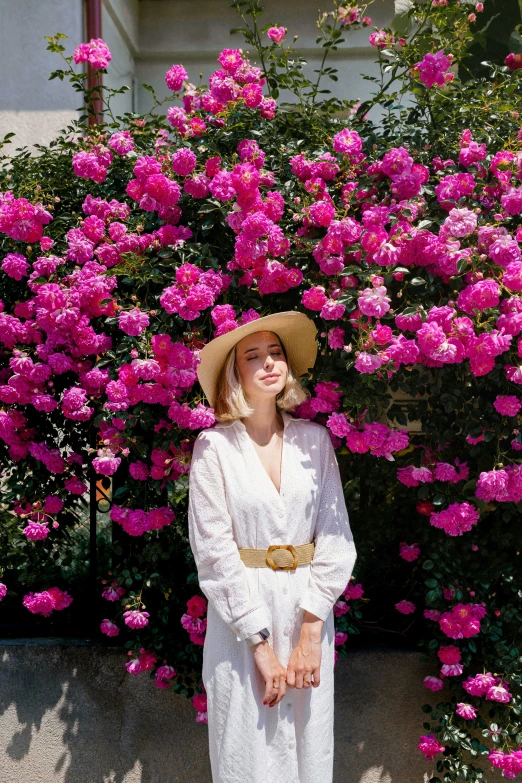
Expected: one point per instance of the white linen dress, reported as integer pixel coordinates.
(234, 503)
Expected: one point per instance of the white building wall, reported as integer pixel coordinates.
(30, 105)
(145, 38)
(33, 107)
(193, 32)
(120, 30)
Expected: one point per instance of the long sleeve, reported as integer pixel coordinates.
(335, 554)
(221, 572)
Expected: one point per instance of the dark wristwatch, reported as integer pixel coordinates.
(260, 636)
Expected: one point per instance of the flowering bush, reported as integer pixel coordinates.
(125, 248)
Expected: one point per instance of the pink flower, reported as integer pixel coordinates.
(460, 222)
(481, 295)
(75, 486)
(351, 591)
(177, 117)
(349, 15)
(405, 607)
(139, 470)
(322, 213)
(514, 61)
(340, 608)
(374, 301)
(165, 672)
(507, 404)
(106, 462)
(466, 711)
(479, 684)
(199, 701)
(136, 619)
(433, 683)
(113, 592)
(347, 141)
(184, 162)
(462, 621)
(109, 628)
(449, 654)
(512, 201)
(47, 601)
(3, 591)
(432, 68)
(276, 34)
(39, 603)
(381, 39)
(498, 692)
(457, 519)
(15, 265)
(451, 669)
(133, 322)
(36, 531)
(96, 52)
(196, 606)
(133, 666)
(175, 77)
(121, 142)
(409, 552)
(267, 108)
(61, 598)
(162, 675)
(46, 243)
(429, 746)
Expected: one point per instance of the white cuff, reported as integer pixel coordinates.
(251, 624)
(316, 603)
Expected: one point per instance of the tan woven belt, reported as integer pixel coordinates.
(284, 557)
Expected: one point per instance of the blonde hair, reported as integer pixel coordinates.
(230, 402)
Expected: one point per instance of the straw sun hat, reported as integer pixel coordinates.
(296, 331)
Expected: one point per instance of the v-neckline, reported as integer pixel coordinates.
(286, 417)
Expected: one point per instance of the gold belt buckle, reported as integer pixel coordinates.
(270, 560)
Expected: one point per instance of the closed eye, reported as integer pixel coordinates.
(255, 357)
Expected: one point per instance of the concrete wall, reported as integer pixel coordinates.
(72, 714)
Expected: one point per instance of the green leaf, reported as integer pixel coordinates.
(515, 42)
(120, 491)
(462, 265)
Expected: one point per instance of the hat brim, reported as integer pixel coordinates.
(297, 333)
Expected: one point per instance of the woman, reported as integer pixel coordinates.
(261, 478)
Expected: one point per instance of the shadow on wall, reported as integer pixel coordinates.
(71, 713)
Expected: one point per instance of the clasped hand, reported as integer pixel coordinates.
(303, 665)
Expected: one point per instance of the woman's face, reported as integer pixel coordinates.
(259, 355)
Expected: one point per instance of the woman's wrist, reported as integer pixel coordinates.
(312, 626)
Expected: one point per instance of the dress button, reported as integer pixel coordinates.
(289, 706)
(291, 745)
(285, 590)
(281, 512)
